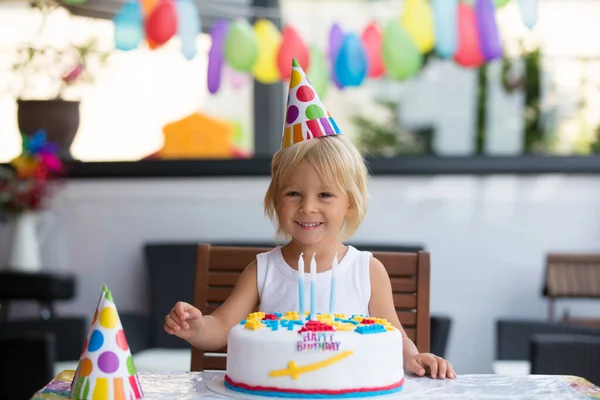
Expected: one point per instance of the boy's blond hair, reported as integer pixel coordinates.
(339, 165)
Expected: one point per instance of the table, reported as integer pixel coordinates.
(193, 385)
(43, 287)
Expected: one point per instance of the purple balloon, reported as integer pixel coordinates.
(489, 37)
(336, 38)
(218, 33)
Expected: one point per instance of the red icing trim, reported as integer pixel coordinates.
(270, 316)
(316, 326)
(315, 391)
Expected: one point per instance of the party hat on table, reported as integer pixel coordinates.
(106, 370)
(306, 116)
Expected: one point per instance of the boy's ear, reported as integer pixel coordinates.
(350, 211)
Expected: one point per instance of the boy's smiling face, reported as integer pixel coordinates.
(309, 211)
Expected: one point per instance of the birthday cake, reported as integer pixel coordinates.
(330, 356)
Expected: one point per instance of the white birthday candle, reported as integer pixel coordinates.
(301, 286)
(313, 288)
(334, 265)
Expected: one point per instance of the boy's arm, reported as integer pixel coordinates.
(381, 305)
(215, 327)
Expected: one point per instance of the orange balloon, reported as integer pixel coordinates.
(468, 54)
(292, 46)
(147, 6)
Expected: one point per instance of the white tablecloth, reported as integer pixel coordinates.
(193, 385)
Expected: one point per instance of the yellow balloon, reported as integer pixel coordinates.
(269, 39)
(418, 21)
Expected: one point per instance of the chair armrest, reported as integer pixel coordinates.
(137, 330)
(566, 354)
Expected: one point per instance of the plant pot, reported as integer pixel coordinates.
(59, 118)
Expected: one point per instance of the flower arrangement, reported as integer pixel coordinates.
(32, 178)
(47, 69)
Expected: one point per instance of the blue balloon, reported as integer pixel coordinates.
(445, 14)
(129, 30)
(351, 63)
(188, 26)
(529, 12)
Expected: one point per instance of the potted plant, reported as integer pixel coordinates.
(25, 188)
(46, 78)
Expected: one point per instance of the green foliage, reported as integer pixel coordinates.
(388, 137)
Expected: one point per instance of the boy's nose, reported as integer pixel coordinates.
(308, 206)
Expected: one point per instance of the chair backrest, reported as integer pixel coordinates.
(218, 268)
(571, 275)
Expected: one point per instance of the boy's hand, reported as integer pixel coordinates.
(183, 321)
(431, 364)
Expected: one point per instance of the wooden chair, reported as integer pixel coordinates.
(218, 268)
(572, 276)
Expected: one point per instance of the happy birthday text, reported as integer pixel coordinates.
(317, 341)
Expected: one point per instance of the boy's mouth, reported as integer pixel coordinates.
(309, 225)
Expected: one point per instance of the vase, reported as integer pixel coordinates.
(26, 239)
(59, 118)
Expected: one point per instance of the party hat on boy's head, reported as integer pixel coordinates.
(106, 370)
(306, 116)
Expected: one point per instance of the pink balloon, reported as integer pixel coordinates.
(237, 78)
(468, 54)
(218, 34)
(373, 40)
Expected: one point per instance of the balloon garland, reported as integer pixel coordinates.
(464, 31)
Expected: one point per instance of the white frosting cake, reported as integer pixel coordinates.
(281, 356)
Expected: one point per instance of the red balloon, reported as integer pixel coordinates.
(373, 41)
(468, 53)
(292, 46)
(161, 25)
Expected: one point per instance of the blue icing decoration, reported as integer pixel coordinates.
(313, 396)
(374, 328)
(243, 322)
(347, 321)
(278, 315)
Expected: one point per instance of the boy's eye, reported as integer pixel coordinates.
(292, 194)
(325, 194)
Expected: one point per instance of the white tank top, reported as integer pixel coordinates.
(278, 284)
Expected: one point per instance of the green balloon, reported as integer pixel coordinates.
(317, 72)
(401, 56)
(74, 2)
(497, 3)
(241, 46)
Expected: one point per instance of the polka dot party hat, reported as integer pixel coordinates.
(106, 370)
(306, 116)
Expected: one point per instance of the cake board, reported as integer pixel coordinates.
(218, 386)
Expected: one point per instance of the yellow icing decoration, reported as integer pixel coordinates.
(256, 315)
(292, 315)
(340, 315)
(253, 324)
(344, 326)
(326, 319)
(294, 371)
(358, 318)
